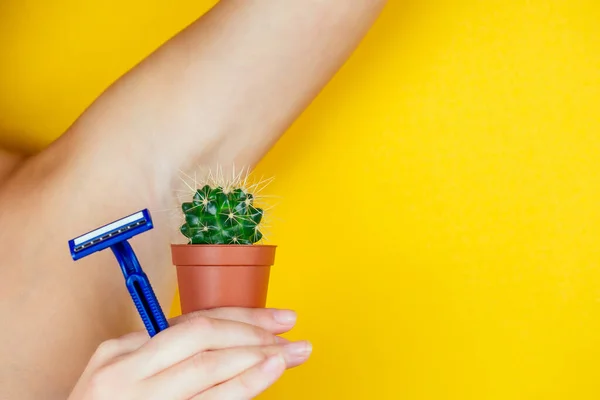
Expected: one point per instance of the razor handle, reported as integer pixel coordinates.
(140, 289)
(146, 303)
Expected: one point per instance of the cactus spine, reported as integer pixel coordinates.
(221, 215)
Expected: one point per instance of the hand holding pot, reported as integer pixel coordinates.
(229, 353)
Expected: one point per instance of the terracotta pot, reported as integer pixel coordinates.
(211, 276)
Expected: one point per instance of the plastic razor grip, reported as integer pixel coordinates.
(147, 304)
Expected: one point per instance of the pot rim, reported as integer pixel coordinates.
(179, 245)
(220, 255)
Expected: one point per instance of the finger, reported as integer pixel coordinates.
(274, 320)
(109, 351)
(114, 348)
(196, 335)
(249, 383)
(205, 370)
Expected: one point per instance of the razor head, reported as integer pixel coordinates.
(110, 234)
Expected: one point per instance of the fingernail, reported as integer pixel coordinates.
(298, 349)
(285, 317)
(273, 364)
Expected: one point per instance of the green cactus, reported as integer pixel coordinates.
(221, 216)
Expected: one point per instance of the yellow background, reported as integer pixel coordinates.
(439, 226)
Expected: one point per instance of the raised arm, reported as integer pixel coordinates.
(222, 91)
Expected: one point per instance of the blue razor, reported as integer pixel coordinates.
(115, 236)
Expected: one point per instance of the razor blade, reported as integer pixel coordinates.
(104, 237)
(115, 236)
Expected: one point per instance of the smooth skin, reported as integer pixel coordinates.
(219, 93)
(219, 354)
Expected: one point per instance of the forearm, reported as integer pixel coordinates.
(222, 91)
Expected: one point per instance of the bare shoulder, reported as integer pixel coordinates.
(9, 162)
